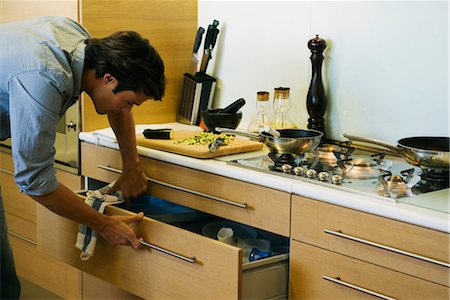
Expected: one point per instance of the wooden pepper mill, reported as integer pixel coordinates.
(316, 102)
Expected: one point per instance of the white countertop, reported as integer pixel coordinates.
(410, 212)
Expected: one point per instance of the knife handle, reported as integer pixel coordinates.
(198, 39)
(162, 134)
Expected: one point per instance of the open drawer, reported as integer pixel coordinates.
(179, 264)
(232, 199)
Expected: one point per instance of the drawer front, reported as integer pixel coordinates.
(239, 201)
(321, 274)
(146, 272)
(16, 203)
(389, 243)
(44, 271)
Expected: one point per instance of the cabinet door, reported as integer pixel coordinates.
(44, 271)
(215, 272)
(317, 273)
(396, 245)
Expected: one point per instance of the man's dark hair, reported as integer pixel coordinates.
(130, 59)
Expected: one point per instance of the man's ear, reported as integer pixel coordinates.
(109, 79)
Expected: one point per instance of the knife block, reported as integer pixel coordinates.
(197, 95)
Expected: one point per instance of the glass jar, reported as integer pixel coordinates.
(263, 107)
(281, 107)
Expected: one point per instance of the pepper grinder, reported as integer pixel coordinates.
(316, 102)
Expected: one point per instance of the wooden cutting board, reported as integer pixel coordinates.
(237, 145)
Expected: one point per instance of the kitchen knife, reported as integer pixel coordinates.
(210, 41)
(198, 40)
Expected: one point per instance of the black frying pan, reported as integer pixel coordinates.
(422, 151)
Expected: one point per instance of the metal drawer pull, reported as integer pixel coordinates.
(410, 254)
(22, 237)
(6, 171)
(358, 288)
(241, 205)
(185, 258)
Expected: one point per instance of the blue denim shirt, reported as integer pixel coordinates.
(41, 65)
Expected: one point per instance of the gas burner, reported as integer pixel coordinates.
(397, 186)
(281, 159)
(326, 152)
(362, 166)
(433, 180)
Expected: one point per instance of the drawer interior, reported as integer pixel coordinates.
(264, 275)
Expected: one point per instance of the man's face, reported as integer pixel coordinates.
(105, 101)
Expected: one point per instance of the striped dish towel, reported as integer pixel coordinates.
(87, 238)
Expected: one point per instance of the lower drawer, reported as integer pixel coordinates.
(215, 272)
(44, 271)
(316, 273)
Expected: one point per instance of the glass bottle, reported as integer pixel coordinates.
(263, 107)
(281, 107)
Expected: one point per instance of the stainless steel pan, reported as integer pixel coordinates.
(295, 141)
(422, 151)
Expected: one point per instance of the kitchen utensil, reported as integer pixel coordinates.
(422, 151)
(234, 146)
(233, 107)
(296, 141)
(198, 40)
(240, 231)
(216, 144)
(226, 235)
(213, 118)
(271, 131)
(249, 244)
(197, 94)
(210, 42)
(316, 101)
(163, 133)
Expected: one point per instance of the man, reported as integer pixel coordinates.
(45, 64)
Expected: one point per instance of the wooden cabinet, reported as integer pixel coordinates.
(180, 264)
(419, 253)
(59, 278)
(318, 273)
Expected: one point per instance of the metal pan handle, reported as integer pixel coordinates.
(370, 141)
(240, 133)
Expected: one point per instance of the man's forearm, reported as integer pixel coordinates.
(124, 129)
(66, 203)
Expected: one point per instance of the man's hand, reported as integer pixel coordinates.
(117, 232)
(132, 182)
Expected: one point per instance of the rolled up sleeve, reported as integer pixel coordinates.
(35, 102)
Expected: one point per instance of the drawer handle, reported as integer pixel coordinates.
(238, 204)
(22, 238)
(356, 239)
(355, 287)
(185, 258)
(6, 171)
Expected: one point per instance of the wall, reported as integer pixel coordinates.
(385, 68)
(170, 27)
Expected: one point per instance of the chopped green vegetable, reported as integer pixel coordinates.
(204, 138)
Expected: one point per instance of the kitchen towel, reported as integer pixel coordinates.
(87, 238)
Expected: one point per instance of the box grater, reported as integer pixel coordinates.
(197, 95)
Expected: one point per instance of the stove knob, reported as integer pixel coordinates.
(323, 176)
(286, 168)
(299, 171)
(311, 173)
(336, 179)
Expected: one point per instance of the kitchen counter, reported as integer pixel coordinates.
(409, 211)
